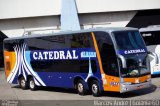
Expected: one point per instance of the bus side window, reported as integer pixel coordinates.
(108, 54)
(81, 40)
(47, 43)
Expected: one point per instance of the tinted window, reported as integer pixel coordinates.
(107, 52)
(10, 44)
(46, 42)
(128, 40)
(81, 40)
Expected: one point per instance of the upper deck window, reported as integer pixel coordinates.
(128, 40)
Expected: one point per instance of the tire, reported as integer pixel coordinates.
(81, 88)
(32, 84)
(22, 83)
(95, 88)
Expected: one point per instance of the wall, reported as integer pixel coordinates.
(33, 8)
(17, 27)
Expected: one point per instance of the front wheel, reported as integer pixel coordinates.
(95, 88)
(32, 84)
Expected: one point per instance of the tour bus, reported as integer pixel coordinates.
(95, 60)
(151, 36)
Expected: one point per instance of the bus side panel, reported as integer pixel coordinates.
(66, 79)
(18, 63)
(113, 83)
(60, 79)
(109, 83)
(10, 63)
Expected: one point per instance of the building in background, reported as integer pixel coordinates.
(20, 16)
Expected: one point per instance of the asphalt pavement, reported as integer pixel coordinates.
(68, 97)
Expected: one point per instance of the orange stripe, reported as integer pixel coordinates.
(97, 52)
(9, 62)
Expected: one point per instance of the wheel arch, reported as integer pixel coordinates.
(20, 76)
(91, 79)
(76, 79)
(28, 77)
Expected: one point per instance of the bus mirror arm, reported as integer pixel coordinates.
(123, 60)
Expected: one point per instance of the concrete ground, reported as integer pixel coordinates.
(68, 97)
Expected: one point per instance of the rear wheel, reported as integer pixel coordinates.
(80, 87)
(32, 84)
(22, 83)
(95, 88)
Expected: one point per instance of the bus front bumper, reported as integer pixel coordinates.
(131, 87)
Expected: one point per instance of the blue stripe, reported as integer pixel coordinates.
(155, 73)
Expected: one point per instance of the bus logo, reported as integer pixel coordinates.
(70, 54)
(125, 52)
(134, 51)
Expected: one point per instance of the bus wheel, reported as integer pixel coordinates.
(23, 84)
(32, 84)
(95, 88)
(80, 87)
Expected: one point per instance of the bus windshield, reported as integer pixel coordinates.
(128, 40)
(128, 44)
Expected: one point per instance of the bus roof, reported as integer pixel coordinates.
(109, 29)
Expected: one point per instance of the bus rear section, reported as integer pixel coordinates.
(151, 36)
(93, 60)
